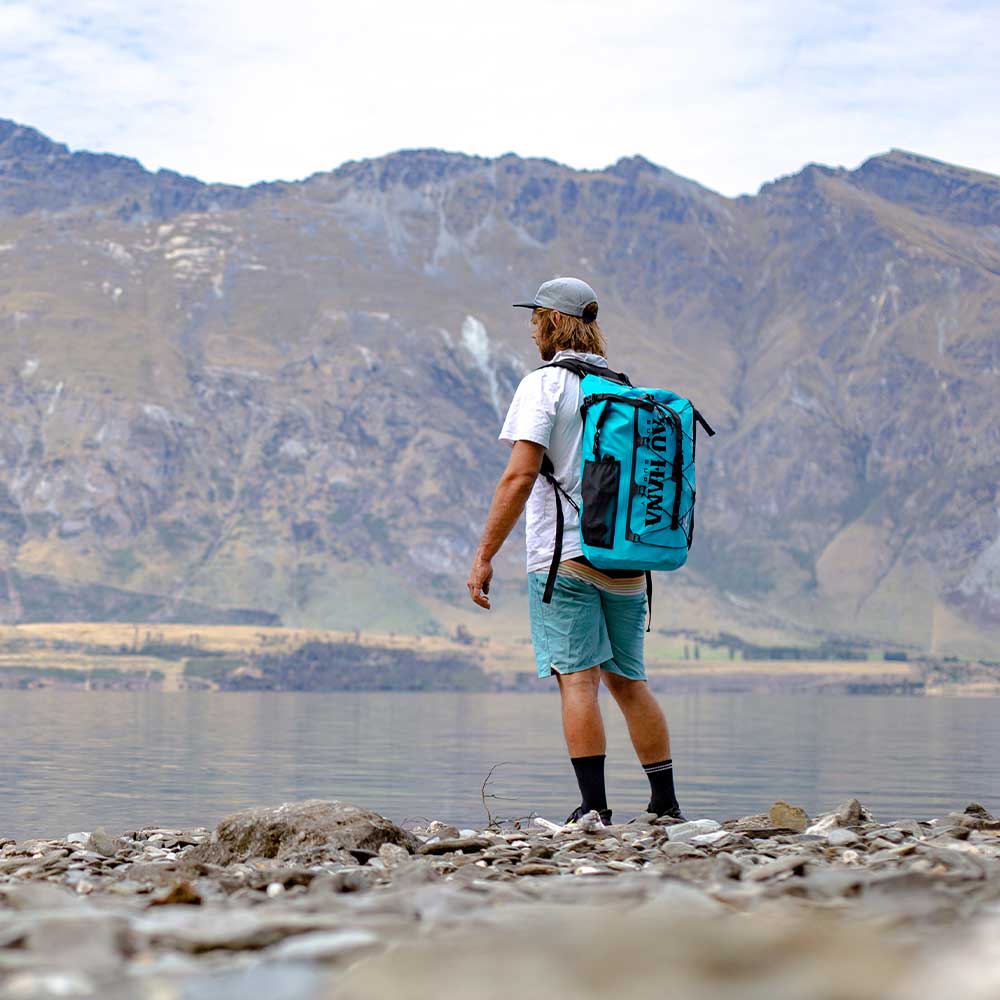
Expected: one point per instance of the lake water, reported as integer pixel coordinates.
(75, 760)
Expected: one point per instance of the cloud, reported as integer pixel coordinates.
(729, 93)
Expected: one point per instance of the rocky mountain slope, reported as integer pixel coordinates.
(285, 399)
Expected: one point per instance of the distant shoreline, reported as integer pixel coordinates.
(151, 657)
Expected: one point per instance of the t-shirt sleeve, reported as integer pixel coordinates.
(533, 410)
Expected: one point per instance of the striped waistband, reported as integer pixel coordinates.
(613, 585)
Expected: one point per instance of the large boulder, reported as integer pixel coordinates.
(301, 832)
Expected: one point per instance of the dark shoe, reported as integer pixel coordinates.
(579, 811)
(674, 813)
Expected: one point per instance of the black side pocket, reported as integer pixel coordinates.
(600, 501)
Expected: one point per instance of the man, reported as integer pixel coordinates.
(594, 627)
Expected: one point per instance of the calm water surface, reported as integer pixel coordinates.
(75, 760)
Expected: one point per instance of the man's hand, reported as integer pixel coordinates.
(479, 581)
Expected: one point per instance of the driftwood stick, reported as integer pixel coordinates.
(489, 816)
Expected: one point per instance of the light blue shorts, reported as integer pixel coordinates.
(585, 627)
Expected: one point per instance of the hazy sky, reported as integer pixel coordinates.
(729, 92)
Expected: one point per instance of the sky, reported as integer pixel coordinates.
(731, 93)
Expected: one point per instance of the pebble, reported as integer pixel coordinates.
(100, 910)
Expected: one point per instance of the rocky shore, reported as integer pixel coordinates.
(326, 899)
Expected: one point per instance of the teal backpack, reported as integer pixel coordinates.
(638, 485)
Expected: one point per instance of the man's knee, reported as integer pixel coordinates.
(624, 687)
(581, 680)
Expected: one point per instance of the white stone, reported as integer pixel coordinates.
(547, 824)
(684, 832)
(823, 825)
(710, 838)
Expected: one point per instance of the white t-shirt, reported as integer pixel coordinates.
(546, 410)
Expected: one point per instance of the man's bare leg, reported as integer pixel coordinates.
(647, 726)
(583, 726)
(584, 731)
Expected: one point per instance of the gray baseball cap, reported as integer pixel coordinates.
(567, 295)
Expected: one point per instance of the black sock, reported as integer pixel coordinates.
(590, 778)
(661, 783)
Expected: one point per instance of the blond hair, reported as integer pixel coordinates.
(570, 333)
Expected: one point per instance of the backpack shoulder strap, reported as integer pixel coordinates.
(579, 368)
(582, 368)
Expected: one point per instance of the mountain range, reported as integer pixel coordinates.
(281, 402)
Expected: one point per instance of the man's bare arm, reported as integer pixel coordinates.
(508, 502)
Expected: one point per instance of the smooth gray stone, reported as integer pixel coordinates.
(842, 838)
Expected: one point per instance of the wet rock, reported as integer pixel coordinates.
(312, 830)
